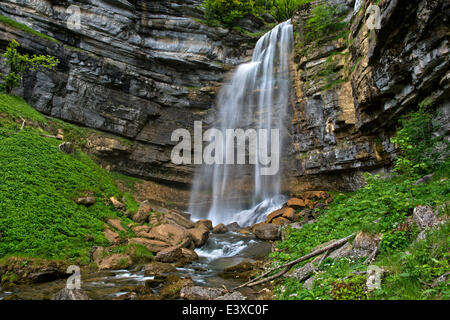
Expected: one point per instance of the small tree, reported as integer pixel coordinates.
(18, 64)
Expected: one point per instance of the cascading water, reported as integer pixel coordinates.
(255, 98)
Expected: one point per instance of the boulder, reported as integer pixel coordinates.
(86, 201)
(267, 231)
(115, 223)
(154, 246)
(116, 261)
(172, 234)
(233, 227)
(170, 217)
(142, 231)
(364, 244)
(143, 212)
(188, 255)
(301, 273)
(424, 180)
(257, 225)
(289, 214)
(274, 215)
(199, 235)
(112, 236)
(169, 255)
(296, 203)
(220, 228)
(201, 293)
(71, 294)
(281, 221)
(117, 204)
(173, 287)
(204, 222)
(158, 268)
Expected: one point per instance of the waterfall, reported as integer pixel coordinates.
(256, 97)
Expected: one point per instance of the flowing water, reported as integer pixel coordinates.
(255, 98)
(221, 251)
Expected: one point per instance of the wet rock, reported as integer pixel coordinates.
(116, 224)
(233, 227)
(220, 228)
(142, 214)
(115, 261)
(71, 294)
(169, 255)
(232, 296)
(158, 268)
(204, 222)
(153, 283)
(188, 256)
(199, 235)
(154, 246)
(86, 201)
(267, 232)
(201, 293)
(174, 285)
(119, 206)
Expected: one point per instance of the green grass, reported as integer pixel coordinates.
(12, 23)
(38, 186)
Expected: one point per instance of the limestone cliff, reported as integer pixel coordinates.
(353, 87)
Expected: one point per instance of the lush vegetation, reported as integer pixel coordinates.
(383, 206)
(38, 188)
(17, 25)
(230, 11)
(18, 64)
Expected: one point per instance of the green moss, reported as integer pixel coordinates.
(17, 25)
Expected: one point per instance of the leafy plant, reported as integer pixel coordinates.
(18, 64)
(227, 11)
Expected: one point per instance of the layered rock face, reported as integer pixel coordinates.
(351, 89)
(135, 69)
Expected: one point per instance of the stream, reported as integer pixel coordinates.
(220, 252)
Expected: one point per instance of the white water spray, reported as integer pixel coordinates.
(255, 98)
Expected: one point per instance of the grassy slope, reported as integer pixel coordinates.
(17, 25)
(38, 184)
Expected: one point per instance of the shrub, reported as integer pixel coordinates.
(284, 9)
(325, 20)
(227, 11)
(18, 64)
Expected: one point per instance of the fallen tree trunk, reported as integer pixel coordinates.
(287, 266)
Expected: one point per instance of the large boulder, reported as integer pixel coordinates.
(199, 235)
(220, 228)
(115, 223)
(281, 221)
(172, 234)
(143, 212)
(204, 222)
(267, 231)
(233, 227)
(117, 204)
(86, 201)
(174, 285)
(169, 255)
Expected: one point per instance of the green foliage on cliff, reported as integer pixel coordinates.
(383, 207)
(228, 11)
(17, 25)
(18, 64)
(38, 186)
